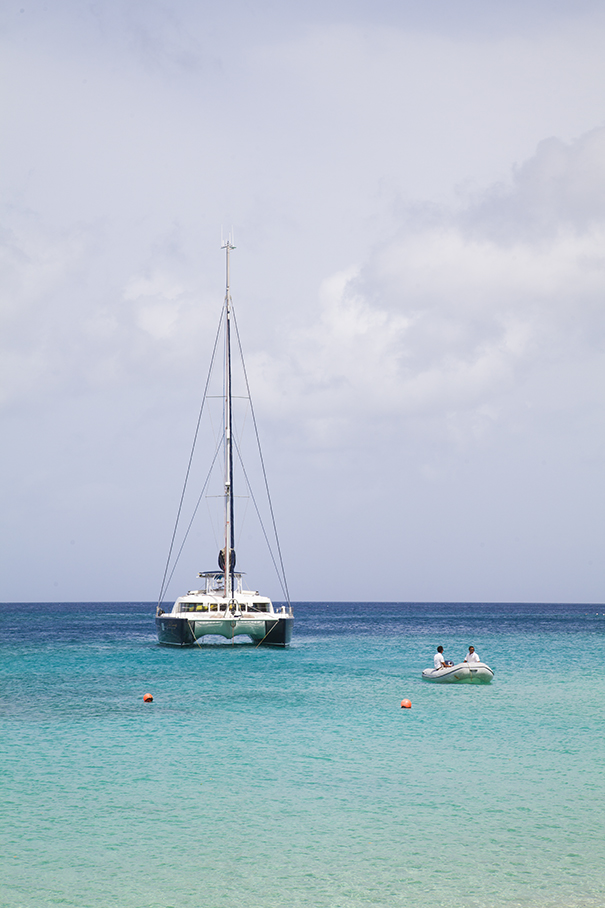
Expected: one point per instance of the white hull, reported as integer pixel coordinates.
(205, 613)
(464, 673)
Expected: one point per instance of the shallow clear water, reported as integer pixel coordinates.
(277, 778)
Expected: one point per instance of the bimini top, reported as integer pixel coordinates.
(219, 575)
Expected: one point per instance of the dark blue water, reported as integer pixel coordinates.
(110, 621)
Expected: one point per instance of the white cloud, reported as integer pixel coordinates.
(452, 321)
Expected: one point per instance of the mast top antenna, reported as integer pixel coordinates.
(229, 242)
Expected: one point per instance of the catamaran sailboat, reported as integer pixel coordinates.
(221, 606)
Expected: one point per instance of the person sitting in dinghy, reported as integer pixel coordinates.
(472, 655)
(439, 660)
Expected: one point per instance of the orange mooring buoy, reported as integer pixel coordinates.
(406, 704)
(147, 698)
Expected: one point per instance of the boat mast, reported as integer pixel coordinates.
(229, 550)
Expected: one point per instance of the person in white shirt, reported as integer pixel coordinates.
(439, 660)
(472, 655)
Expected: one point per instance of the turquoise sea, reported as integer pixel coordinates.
(268, 778)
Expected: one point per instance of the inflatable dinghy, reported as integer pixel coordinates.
(464, 673)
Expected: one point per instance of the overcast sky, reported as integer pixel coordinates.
(417, 191)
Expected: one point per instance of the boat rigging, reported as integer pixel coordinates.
(221, 606)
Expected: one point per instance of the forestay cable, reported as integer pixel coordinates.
(164, 584)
